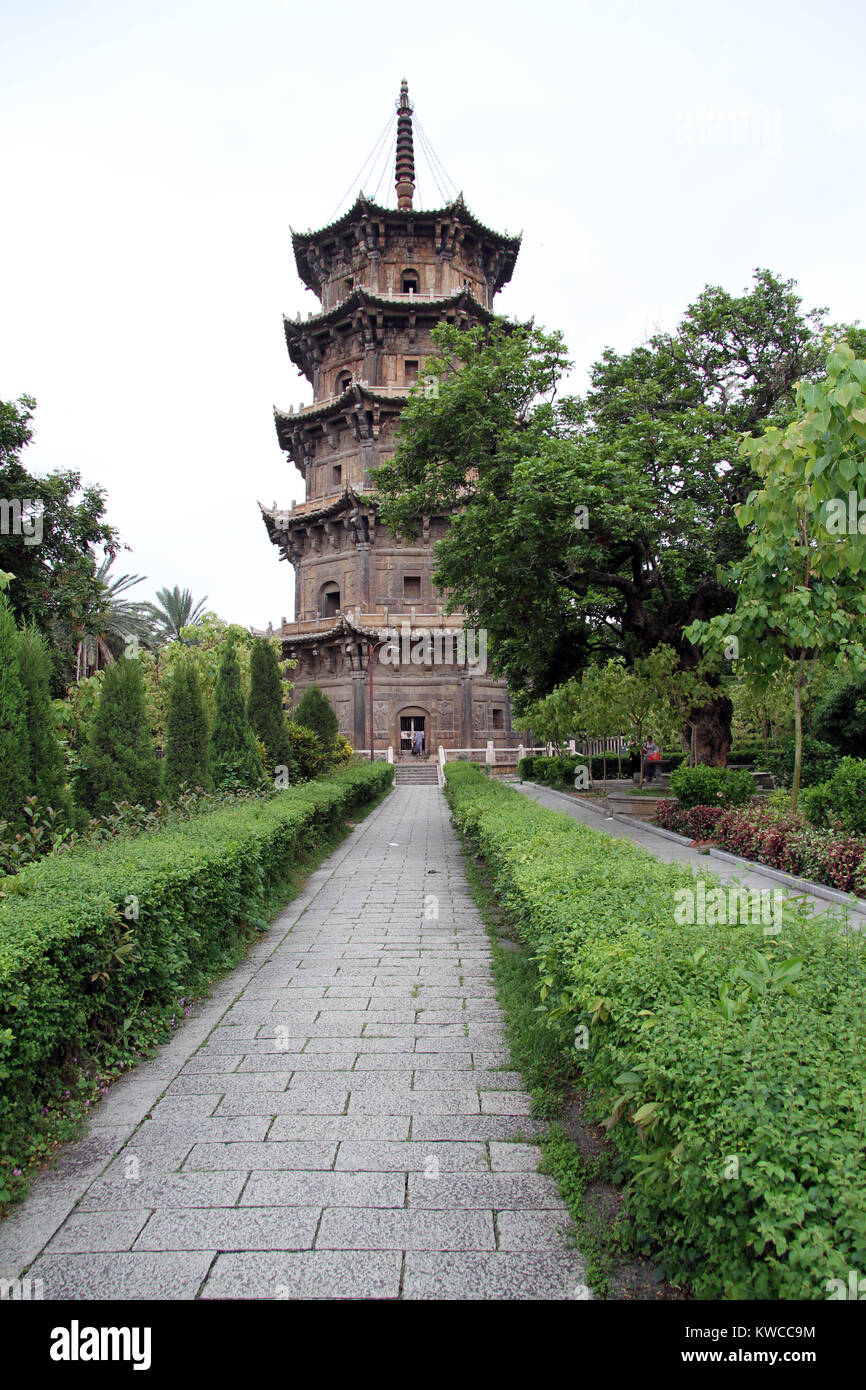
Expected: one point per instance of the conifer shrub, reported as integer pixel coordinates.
(316, 712)
(119, 761)
(15, 772)
(234, 757)
(186, 749)
(47, 765)
(265, 705)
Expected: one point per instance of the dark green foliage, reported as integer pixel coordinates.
(47, 768)
(316, 712)
(119, 762)
(712, 786)
(840, 719)
(819, 762)
(308, 757)
(56, 583)
(76, 974)
(15, 777)
(840, 802)
(704, 1043)
(233, 753)
(186, 733)
(265, 705)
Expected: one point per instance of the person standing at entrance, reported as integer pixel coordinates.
(418, 742)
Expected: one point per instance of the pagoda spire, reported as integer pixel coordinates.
(405, 170)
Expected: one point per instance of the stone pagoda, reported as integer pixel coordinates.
(369, 625)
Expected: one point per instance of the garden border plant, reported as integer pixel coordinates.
(100, 944)
(727, 1064)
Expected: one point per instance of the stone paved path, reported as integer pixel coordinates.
(335, 1121)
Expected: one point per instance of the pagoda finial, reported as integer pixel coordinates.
(405, 171)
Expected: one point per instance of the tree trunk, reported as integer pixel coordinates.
(798, 732)
(712, 731)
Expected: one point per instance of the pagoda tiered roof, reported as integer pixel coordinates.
(299, 331)
(364, 211)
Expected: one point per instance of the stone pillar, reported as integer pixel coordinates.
(465, 710)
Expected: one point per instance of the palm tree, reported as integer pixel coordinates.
(174, 610)
(113, 624)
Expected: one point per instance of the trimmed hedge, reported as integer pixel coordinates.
(559, 772)
(710, 786)
(729, 1064)
(199, 888)
(840, 802)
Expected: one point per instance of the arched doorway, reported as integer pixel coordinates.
(411, 721)
(329, 600)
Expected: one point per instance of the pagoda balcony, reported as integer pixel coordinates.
(374, 620)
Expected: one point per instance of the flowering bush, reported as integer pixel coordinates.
(768, 835)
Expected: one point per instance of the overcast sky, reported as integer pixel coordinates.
(156, 155)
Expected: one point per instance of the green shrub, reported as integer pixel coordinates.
(95, 939)
(752, 753)
(712, 786)
(119, 761)
(233, 753)
(819, 762)
(315, 712)
(186, 733)
(265, 704)
(840, 802)
(15, 776)
(840, 718)
(47, 766)
(705, 1045)
(308, 757)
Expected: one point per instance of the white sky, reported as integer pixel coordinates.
(155, 155)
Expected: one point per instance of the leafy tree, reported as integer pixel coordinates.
(265, 704)
(56, 581)
(112, 624)
(233, 753)
(174, 610)
(203, 645)
(47, 766)
(186, 753)
(15, 781)
(800, 590)
(840, 718)
(602, 700)
(119, 762)
(587, 529)
(316, 712)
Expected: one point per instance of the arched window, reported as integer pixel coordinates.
(329, 600)
(344, 379)
(410, 282)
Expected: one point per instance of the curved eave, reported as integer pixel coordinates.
(279, 518)
(364, 298)
(363, 208)
(353, 396)
(342, 628)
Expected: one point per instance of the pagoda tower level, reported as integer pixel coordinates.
(385, 277)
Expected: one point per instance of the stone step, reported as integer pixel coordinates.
(423, 775)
